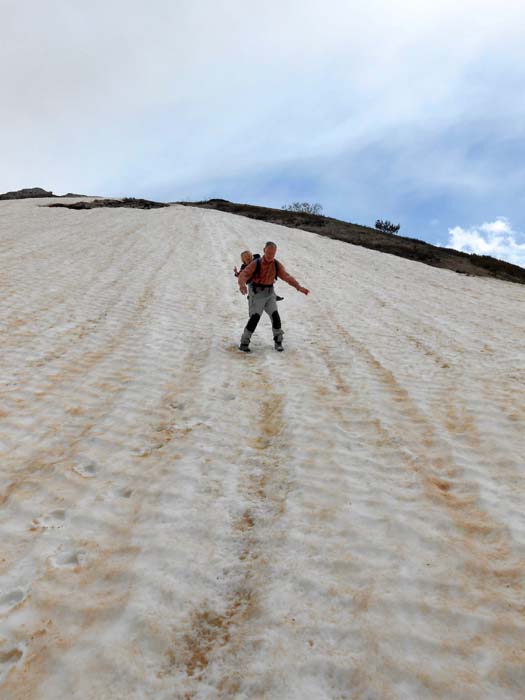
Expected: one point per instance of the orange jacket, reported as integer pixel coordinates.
(266, 273)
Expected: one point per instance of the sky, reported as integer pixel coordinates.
(407, 111)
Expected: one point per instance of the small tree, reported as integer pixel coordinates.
(304, 208)
(387, 226)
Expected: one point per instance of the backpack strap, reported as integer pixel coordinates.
(257, 268)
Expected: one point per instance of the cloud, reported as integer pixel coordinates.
(374, 109)
(495, 238)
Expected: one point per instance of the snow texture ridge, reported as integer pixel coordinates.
(180, 520)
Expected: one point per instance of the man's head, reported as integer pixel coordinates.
(270, 250)
(246, 257)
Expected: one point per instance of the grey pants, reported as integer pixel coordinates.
(259, 301)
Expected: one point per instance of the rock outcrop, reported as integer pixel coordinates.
(28, 193)
(113, 203)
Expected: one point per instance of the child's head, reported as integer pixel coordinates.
(246, 257)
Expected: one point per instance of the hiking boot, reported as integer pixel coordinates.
(279, 298)
(244, 347)
(278, 345)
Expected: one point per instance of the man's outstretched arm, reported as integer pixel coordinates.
(282, 274)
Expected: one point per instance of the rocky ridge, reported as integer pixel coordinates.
(367, 237)
(113, 203)
(27, 193)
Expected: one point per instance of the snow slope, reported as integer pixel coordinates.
(180, 520)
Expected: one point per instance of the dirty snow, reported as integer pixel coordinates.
(180, 520)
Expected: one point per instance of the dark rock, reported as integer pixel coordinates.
(28, 193)
(113, 204)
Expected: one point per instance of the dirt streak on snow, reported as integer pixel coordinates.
(179, 520)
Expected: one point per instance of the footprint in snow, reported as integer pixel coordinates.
(10, 600)
(125, 492)
(54, 519)
(85, 468)
(69, 559)
(9, 657)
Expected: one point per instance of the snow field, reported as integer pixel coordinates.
(179, 520)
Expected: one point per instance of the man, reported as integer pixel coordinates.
(261, 277)
(246, 257)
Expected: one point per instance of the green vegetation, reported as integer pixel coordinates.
(304, 207)
(387, 226)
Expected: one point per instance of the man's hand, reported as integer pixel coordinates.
(243, 288)
(303, 290)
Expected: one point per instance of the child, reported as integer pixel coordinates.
(246, 257)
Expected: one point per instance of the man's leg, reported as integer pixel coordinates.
(273, 313)
(255, 309)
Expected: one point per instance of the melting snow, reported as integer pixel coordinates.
(180, 520)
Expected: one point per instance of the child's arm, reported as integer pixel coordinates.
(237, 272)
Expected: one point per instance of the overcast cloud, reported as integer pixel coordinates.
(411, 111)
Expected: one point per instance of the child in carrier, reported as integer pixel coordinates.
(246, 257)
